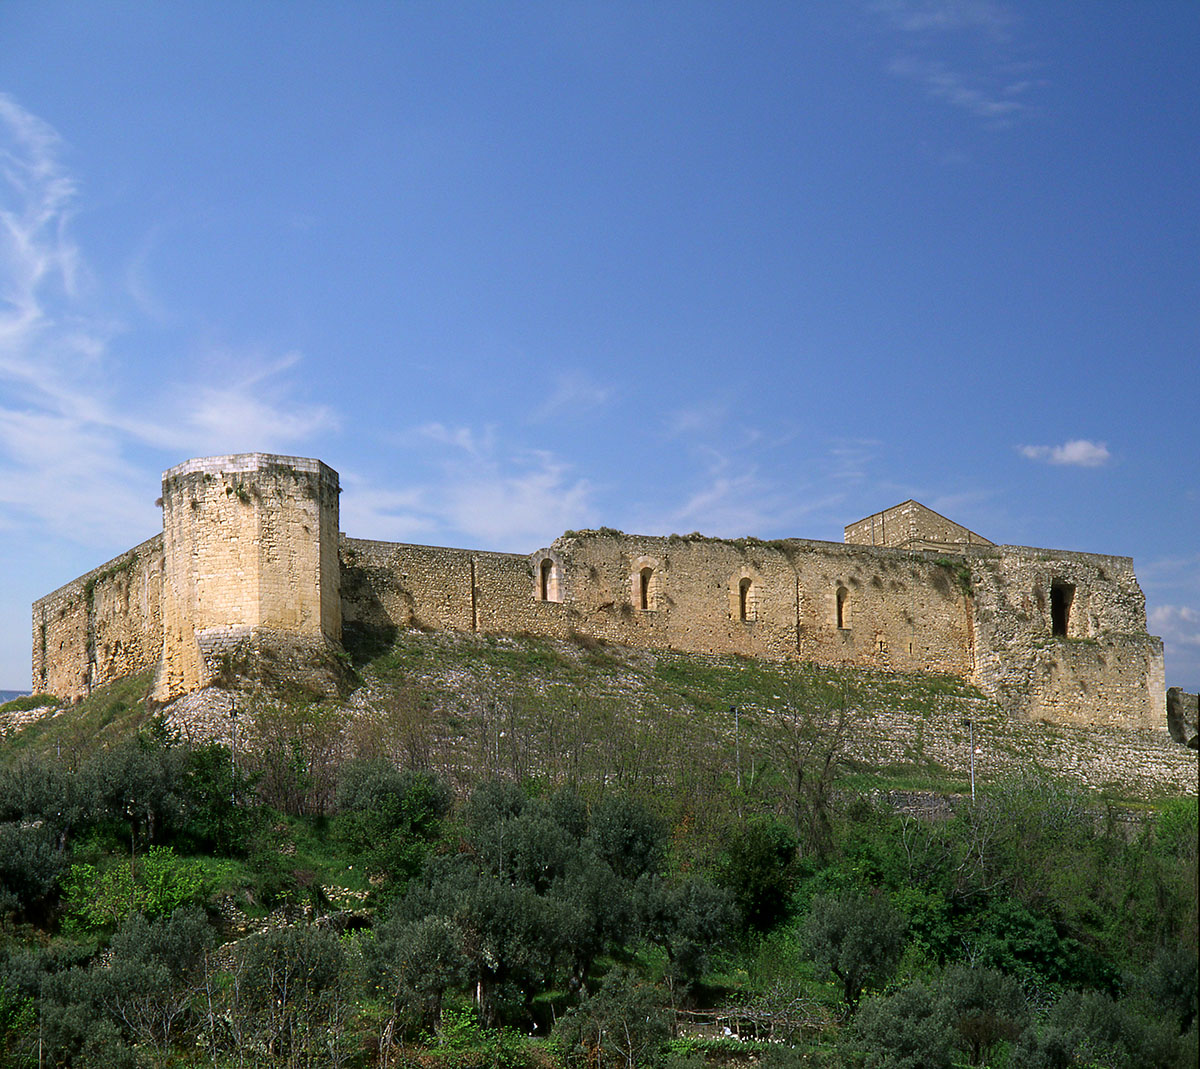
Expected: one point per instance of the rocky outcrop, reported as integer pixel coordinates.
(1183, 711)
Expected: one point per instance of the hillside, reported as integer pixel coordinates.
(505, 851)
(471, 706)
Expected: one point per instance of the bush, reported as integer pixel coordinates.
(387, 819)
(156, 884)
(757, 868)
(30, 867)
(984, 1008)
(622, 1024)
(904, 1030)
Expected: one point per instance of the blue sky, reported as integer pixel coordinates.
(742, 268)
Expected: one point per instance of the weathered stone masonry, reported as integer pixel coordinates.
(250, 547)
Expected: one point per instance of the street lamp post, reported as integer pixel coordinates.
(969, 724)
(737, 746)
(233, 718)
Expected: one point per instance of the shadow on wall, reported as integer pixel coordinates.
(368, 628)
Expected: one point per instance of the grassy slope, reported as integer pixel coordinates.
(474, 705)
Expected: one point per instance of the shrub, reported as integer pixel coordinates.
(156, 884)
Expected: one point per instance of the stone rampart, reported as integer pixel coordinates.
(102, 626)
(389, 585)
(1062, 636)
(250, 557)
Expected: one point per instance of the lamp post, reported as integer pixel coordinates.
(233, 718)
(969, 724)
(737, 746)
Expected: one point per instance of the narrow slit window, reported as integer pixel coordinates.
(745, 605)
(843, 608)
(644, 579)
(1061, 596)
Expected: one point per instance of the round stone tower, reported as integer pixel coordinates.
(250, 550)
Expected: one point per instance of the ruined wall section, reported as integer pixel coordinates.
(102, 626)
(390, 585)
(900, 610)
(1062, 636)
(250, 548)
(819, 601)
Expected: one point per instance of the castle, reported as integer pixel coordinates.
(250, 551)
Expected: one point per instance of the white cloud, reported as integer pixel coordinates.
(368, 511)
(849, 458)
(961, 52)
(574, 394)
(72, 412)
(697, 419)
(518, 503)
(1079, 452)
(956, 88)
(923, 16)
(479, 492)
(474, 443)
(1177, 624)
(251, 411)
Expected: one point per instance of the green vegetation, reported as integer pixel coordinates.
(29, 701)
(528, 854)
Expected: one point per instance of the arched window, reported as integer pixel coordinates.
(843, 607)
(548, 580)
(645, 583)
(745, 599)
(1061, 596)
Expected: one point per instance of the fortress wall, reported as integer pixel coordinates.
(390, 584)
(508, 598)
(102, 626)
(692, 598)
(899, 610)
(1101, 669)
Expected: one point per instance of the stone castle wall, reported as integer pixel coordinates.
(391, 585)
(1103, 668)
(102, 626)
(250, 546)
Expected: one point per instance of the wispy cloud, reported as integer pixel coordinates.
(574, 394)
(1079, 452)
(72, 412)
(1177, 624)
(955, 87)
(702, 418)
(475, 443)
(849, 458)
(960, 52)
(476, 489)
(924, 16)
